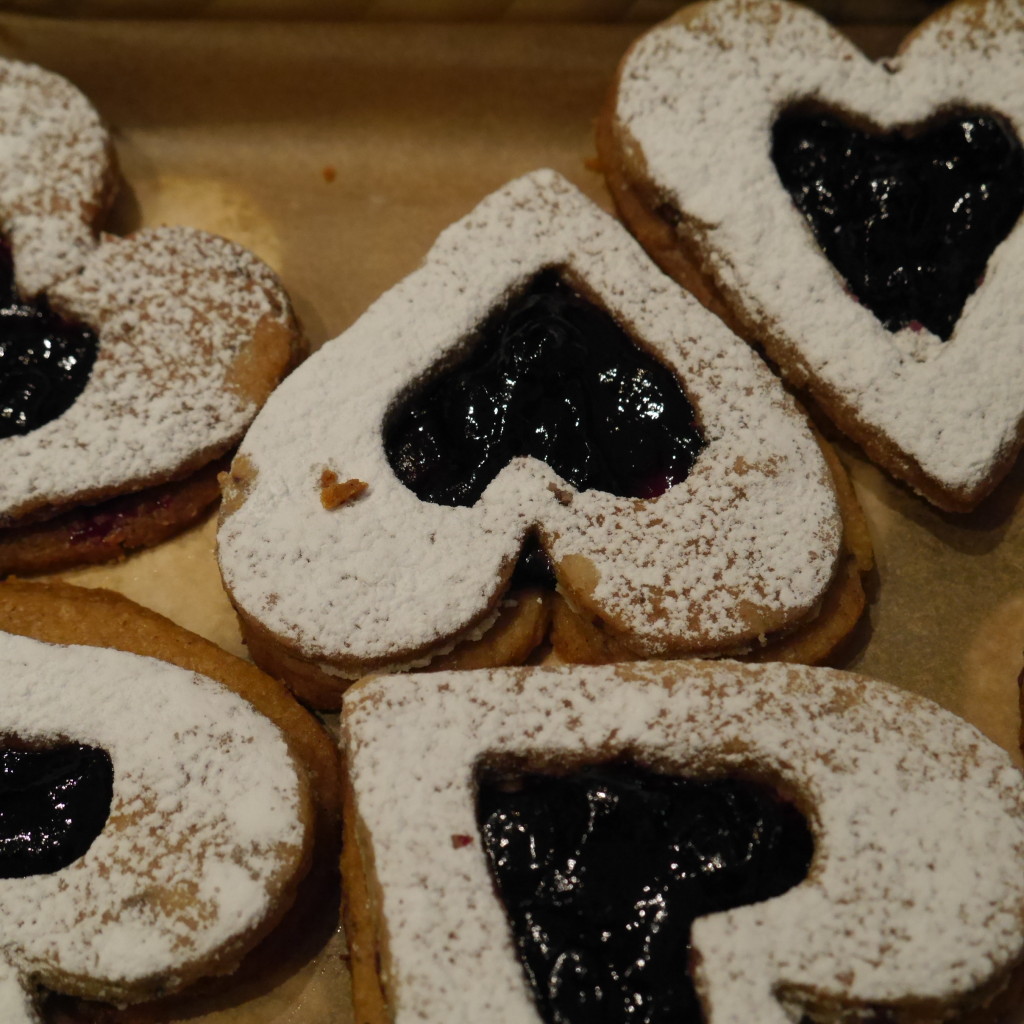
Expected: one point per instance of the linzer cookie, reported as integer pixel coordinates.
(862, 221)
(676, 841)
(537, 407)
(128, 366)
(155, 826)
(300, 755)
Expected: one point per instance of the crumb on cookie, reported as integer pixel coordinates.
(334, 493)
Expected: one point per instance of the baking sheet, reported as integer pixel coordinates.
(338, 151)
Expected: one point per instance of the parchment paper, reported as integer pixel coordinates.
(338, 151)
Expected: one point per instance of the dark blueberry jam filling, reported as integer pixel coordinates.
(604, 871)
(908, 218)
(554, 377)
(534, 568)
(45, 361)
(53, 803)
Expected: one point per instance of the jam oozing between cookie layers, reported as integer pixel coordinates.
(53, 803)
(908, 218)
(552, 376)
(45, 360)
(603, 872)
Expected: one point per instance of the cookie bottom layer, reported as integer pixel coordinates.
(530, 625)
(518, 629)
(110, 529)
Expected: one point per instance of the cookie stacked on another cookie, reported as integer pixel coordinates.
(861, 221)
(677, 841)
(156, 825)
(536, 400)
(128, 367)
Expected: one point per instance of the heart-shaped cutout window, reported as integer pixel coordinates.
(45, 360)
(909, 218)
(553, 376)
(54, 802)
(603, 871)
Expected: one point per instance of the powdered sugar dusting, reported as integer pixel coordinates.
(174, 309)
(915, 890)
(388, 575)
(699, 102)
(205, 823)
(54, 173)
(16, 1005)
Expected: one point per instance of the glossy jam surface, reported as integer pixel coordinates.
(53, 803)
(45, 361)
(603, 872)
(551, 376)
(909, 219)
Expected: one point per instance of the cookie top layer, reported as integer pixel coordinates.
(747, 544)
(193, 332)
(206, 831)
(914, 892)
(697, 99)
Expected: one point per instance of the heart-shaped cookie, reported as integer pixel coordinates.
(702, 105)
(747, 545)
(143, 361)
(912, 908)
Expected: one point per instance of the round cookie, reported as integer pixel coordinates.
(694, 143)
(206, 835)
(129, 366)
(740, 550)
(59, 613)
(912, 904)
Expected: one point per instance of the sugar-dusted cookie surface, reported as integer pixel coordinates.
(128, 365)
(743, 546)
(747, 139)
(59, 613)
(912, 908)
(197, 830)
(57, 174)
